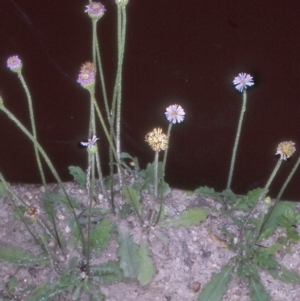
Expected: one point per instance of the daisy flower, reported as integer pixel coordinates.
(285, 149)
(175, 113)
(95, 10)
(14, 63)
(157, 140)
(91, 142)
(86, 75)
(242, 81)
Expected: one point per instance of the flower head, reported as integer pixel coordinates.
(32, 212)
(95, 10)
(14, 63)
(285, 149)
(242, 81)
(91, 142)
(86, 75)
(175, 113)
(157, 140)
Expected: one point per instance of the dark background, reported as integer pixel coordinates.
(184, 52)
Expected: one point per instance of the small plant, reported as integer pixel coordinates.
(71, 234)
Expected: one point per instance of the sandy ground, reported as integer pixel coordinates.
(185, 258)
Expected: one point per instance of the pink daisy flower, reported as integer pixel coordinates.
(14, 63)
(95, 10)
(242, 81)
(91, 142)
(175, 113)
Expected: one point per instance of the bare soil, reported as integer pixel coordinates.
(185, 258)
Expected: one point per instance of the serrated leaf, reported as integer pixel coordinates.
(21, 257)
(68, 279)
(188, 218)
(279, 210)
(100, 235)
(229, 196)
(264, 259)
(208, 192)
(216, 288)
(128, 252)
(146, 265)
(257, 291)
(284, 275)
(249, 200)
(132, 197)
(108, 273)
(79, 175)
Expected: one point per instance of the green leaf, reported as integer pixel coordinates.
(216, 288)
(284, 275)
(257, 291)
(108, 273)
(132, 197)
(208, 192)
(166, 191)
(146, 265)
(274, 248)
(68, 279)
(79, 175)
(188, 218)
(148, 174)
(243, 269)
(264, 259)
(128, 252)
(21, 257)
(100, 235)
(125, 156)
(249, 200)
(228, 196)
(292, 234)
(271, 223)
(46, 292)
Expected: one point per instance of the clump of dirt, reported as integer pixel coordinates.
(185, 258)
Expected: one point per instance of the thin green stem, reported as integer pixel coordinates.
(156, 173)
(102, 80)
(267, 216)
(117, 94)
(288, 180)
(237, 137)
(37, 155)
(273, 174)
(101, 179)
(163, 175)
(112, 148)
(91, 195)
